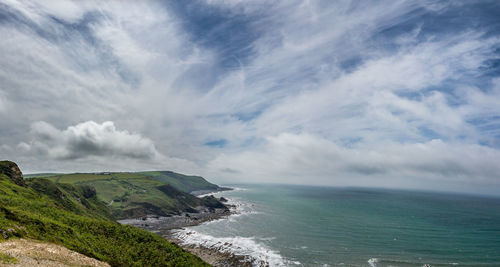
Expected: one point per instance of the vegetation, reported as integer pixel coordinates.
(39, 175)
(185, 183)
(134, 195)
(7, 259)
(72, 215)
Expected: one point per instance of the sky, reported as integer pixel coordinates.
(396, 94)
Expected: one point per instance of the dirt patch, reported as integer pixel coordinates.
(35, 253)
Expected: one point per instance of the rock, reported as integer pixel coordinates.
(88, 191)
(212, 202)
(12, 171)
(222, 199)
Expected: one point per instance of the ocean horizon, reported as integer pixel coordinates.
(293, 225)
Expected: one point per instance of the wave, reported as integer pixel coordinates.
(218, 193)
(237, 245)
(257, 252)
(373, 262)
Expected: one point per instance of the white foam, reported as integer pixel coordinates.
(240, 208)
(373, 262)
(267, 238)
(259, 253)
(238, 245)
(218, 193)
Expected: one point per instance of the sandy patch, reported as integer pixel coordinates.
(35, 253)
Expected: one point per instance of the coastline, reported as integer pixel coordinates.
(199, 193)
(212, 256)
(162, 224)
(165, 227)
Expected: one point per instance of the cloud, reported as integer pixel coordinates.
(89, 139)
(3, 103)
(309, 159)
(393, 93)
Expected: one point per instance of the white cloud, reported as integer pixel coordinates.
(89, 139)
(70, 11)
(308, 159)
(91, 146)
(3, 103)
(292, 110)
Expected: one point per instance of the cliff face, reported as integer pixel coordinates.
(12, 171)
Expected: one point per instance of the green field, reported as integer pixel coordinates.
(73, 215)
(130, 194)
(185, 183)
(74, 178)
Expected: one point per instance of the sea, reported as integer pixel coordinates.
(283, 225)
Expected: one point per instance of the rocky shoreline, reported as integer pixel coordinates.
(213, 256)
(163, 225)
(204, 192)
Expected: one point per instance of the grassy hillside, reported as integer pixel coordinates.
(72, 215)
(131, 195)
(186, 183)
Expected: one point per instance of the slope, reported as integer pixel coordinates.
(73, 216)
(133, 195)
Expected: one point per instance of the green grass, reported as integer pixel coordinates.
(127, 175)
(127, 197)
(185, 183)
(7, 259)
(130, 194)
(72, 215)
(77, 177)
(39, 175)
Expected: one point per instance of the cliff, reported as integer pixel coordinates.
(11, 170)
(72, 216)
(139, 194)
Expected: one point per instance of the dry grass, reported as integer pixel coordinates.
(35, 253)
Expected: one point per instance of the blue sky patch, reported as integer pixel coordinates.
(217, 143)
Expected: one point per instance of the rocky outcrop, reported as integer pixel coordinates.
(11, 170)
(212, 202)
(88, 191)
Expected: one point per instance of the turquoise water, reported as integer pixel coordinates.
(313, 226)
